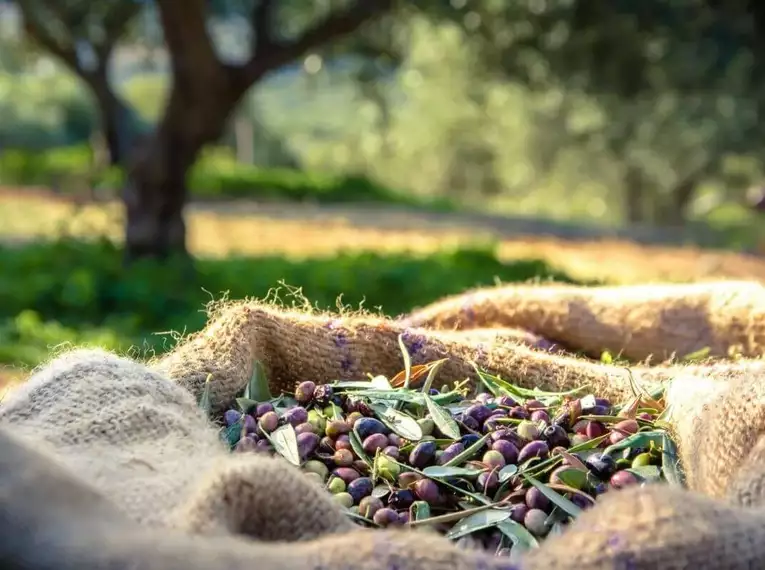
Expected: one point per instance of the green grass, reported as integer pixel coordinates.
(82, 294)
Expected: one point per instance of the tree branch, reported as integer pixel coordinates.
(273, 55)
(38, 32)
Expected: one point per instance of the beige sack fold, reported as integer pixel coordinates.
(637, 321)
(135, 434)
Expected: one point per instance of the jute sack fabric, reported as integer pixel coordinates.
(638, 321)
(134, 435)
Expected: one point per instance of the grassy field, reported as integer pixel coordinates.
(308, 231)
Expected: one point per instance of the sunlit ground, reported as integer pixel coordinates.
(305, 231)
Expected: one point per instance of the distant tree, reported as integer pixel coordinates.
(83, 35)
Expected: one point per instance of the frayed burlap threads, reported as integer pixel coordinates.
(638, 321)
(295, 345)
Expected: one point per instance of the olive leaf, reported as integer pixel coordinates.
(257, 388)
(556, 498)
(477, 521)
(420, 510)
(284, 440)
(232, 434)
(442, 418)
(407, 361)
(432, 372)
(440, 471)
(399, 422)
(246, 405)
(507, 472)
(381, 383)
(358, 448)
(648, 473)
(670, 464)
(468, 453)
(521, 538)
(381, 491)
(573, 477)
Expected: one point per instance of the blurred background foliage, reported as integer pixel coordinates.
(601, 113)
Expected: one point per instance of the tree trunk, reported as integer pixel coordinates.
(115, 120)
(156, 192)
(680, 198)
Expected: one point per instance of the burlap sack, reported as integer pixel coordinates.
(636, 321)
(135, 435)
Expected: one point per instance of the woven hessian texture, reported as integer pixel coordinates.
(133, 433)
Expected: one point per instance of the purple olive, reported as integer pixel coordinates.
(498, 413)
(296, 416)
(488, 481)
(304, 391)
(478, 412)
(427, 490)
(247, 444)
(518, 413)
(392, 452)
(374, 442)
(506, 401)
(250, 424)
(307, 444)
(540, 416)
(304, 428)
(360, 488)
(343, 442)
(346, 474)
(470, 423)
(263, 446)
(263, 408)
(369, 426)
(519, 513)
(386, 517)
(535, 499)
(533, 405)
(423, 454)
(622, 479)
(451, 452)
(533, 449)
(556, 436)
(323, 394)
(231, 417)
(594, 429)
(507, 449)
(401, 499)
(492, 424)
(394, 439)
(403, 517)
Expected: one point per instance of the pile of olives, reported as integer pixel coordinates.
(497, 470)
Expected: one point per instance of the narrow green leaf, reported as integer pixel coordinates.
(358, 449)
(284, 440)
(232, 434)
(507, 472)
(441, 471)
(399, 422)
(697, 355)
(443, 419)
(245, 404)
(257, 388)
(575, 478)
(420, 510)
(434, 369)
(521, 538)
(640, 439)
(670, 463)
(205, 401)
(348, 385)
(407, 361)
(566, 505)
(648, 473)
(381, 491)
(469, 453)
(477, 521)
